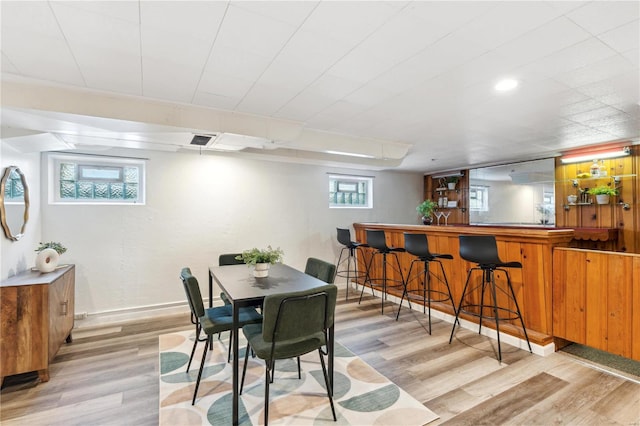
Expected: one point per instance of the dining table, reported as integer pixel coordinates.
(243, 289)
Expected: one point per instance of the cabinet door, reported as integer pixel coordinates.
(23, 340)
(61, 311)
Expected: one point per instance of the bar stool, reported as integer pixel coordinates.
(376, 239)
(483, 250)
(418, 245)
(344, 238)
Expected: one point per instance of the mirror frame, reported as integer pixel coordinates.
(3, 211)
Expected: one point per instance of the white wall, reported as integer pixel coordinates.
(18, 256)
(199, 206)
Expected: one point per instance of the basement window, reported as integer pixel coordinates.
(85, 179)
(347, 191)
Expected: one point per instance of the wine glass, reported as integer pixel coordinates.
(446, 218)
(438, 214)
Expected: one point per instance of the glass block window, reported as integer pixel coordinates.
(100, 180)
(13, 188)
(346, 191)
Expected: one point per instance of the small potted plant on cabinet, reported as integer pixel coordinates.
(261, 259)
(603, 193)
(426, 209)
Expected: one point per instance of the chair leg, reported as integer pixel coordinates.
(518, 310)
(299, 371)
(446, 282)
(487, 277)
(464, 292)
(427, 286)
(366, 278)
(495, 312)
(269, 365)
(244, 368)
(193, 350)
(326, 383)
(405, 291)
(230, 342)
(204, 357)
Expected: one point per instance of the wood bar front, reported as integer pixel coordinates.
(533, 247)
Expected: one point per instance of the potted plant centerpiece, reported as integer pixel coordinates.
(261, 259)
(603, 193)
(48, 256)
(426, 209)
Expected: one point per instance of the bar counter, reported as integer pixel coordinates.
(532, 246)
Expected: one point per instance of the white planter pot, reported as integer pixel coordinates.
(261, 270)
(451, 186)
(602, 198)
(572, 199)
(47, 260)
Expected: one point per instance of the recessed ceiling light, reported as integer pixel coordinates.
(506, 84)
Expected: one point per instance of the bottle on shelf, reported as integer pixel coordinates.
(603, 170)
(594, 170)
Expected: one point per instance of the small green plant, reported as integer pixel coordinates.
(453, 179)
(268, 255)
(603, 190)
(53, 245)
(426, 208)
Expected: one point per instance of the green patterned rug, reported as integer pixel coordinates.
(362, 395)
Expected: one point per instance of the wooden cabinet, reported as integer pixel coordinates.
(37, 313)
(451, 201)
(596, 300)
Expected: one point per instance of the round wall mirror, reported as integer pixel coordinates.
(14, 203)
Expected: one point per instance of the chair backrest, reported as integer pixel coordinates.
(192, 289)
(481, 249)
(320, 269)
(344, 236)
(300, 314)
(376, 239)
(226, 259)
(416, 244)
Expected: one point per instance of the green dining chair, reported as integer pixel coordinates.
(293, 324)
(211, 320)
(320, 269)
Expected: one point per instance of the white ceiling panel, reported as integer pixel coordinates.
(623, 38)
(600, 16)
(420, 72)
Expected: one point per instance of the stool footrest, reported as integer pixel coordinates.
(417, 295)
(491, 316)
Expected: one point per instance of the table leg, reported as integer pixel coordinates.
(210, 289)
(236, 338)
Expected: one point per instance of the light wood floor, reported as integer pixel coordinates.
(109, 375)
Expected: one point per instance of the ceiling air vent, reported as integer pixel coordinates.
(200, 140)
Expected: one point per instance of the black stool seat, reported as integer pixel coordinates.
(483, 250)
(350, 272)
(418, 245)
(376, 239)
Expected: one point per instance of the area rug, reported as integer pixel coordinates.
(362, 396)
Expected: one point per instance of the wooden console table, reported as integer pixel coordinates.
(37, 312)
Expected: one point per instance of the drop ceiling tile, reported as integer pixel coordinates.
(264, 99)
(293, 13)
(551, 37)
(158, 74)
(303, 106)
(316, 50)
(453, 15)
(108, 70)
(213, 100)
(338, 112)
(180, 49)
(600, 16)
(281, 72)
(346, 20)
(633, 56)
(195, 19)
(507, 21)
(579, 55)
(254, 33)
(224, 85)
(623, 38)
(23, 17)
(47, 58)
(597, 71)
(359, 65)
(88, 28)
(227, 60)
(333, 87)
(580, 107)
